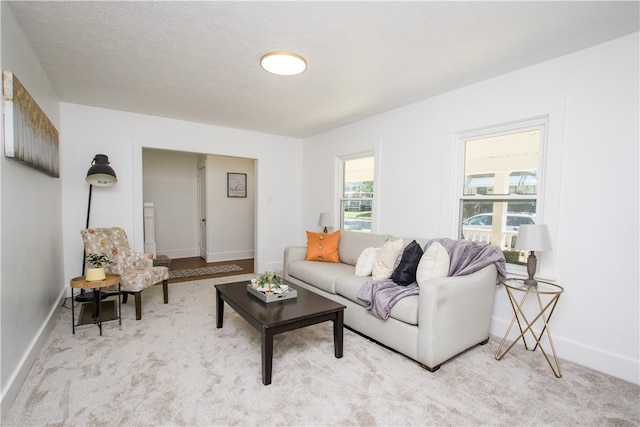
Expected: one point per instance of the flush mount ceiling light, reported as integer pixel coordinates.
(283, 63)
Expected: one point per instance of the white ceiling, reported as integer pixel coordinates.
(199, 61)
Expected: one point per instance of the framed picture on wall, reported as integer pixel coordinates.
(29, 135)
(236, 184)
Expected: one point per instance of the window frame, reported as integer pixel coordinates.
(540, 123)
(340, 184)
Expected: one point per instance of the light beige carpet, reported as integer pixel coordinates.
(174, 368)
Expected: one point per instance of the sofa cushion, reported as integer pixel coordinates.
(434, 263)
(320, 274)
(386, 259)
(352, 244)
(406, 310)
(405, 272)
(323, 246)
(348, 286)
(364, 266)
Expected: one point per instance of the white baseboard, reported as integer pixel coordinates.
(180, 253)
(601, 360)
(28, 359)
(229, 255)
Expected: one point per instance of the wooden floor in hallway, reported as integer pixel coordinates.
(197, 262)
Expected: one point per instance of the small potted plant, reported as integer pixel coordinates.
(98, 262)
(270, 281)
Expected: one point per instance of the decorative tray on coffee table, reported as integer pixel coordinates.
(283, 293)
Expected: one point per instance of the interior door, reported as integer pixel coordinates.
(202, 212)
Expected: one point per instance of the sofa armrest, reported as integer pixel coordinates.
(454, 314)
(292, 253)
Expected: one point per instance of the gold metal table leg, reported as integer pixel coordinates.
(521, 318)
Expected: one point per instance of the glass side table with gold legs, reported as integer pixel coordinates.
(547, 295)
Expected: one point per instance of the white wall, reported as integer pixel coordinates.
(31, 264)
(590, 191)
(230, 221)
(121, 136)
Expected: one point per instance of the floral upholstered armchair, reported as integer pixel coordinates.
(135, 268)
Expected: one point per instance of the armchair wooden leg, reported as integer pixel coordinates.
(165, 290)
(125, 297)
(138, 296)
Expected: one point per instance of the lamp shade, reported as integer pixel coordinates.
(325, 220)
(533, 237)
(100, 173)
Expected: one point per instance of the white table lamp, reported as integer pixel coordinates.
(325, 220)
(533, 237)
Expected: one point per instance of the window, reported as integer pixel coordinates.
(356, 202)
(501, 184)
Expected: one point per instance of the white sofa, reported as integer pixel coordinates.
(450, 314)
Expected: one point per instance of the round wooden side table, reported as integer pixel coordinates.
(97, 286)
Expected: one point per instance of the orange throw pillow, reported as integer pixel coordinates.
(323, 246)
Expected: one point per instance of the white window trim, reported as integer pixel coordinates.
(538, 122)
(339, 173)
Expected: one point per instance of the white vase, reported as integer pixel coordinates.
(95, 274)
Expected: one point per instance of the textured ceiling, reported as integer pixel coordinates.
(199, 61)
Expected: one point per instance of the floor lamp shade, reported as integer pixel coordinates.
(100, 173)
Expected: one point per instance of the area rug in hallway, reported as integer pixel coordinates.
(175, 368)
(201, 271)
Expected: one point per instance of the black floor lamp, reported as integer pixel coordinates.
(99, 174)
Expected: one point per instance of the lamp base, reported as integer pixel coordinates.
(532, 264)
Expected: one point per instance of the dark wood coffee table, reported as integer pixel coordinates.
(277, 317)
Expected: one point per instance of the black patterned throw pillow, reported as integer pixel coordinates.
(405, 272)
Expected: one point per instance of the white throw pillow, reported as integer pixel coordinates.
(364, 266)
(434, 263)
(386, 259)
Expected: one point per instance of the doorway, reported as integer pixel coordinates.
(194, 216)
